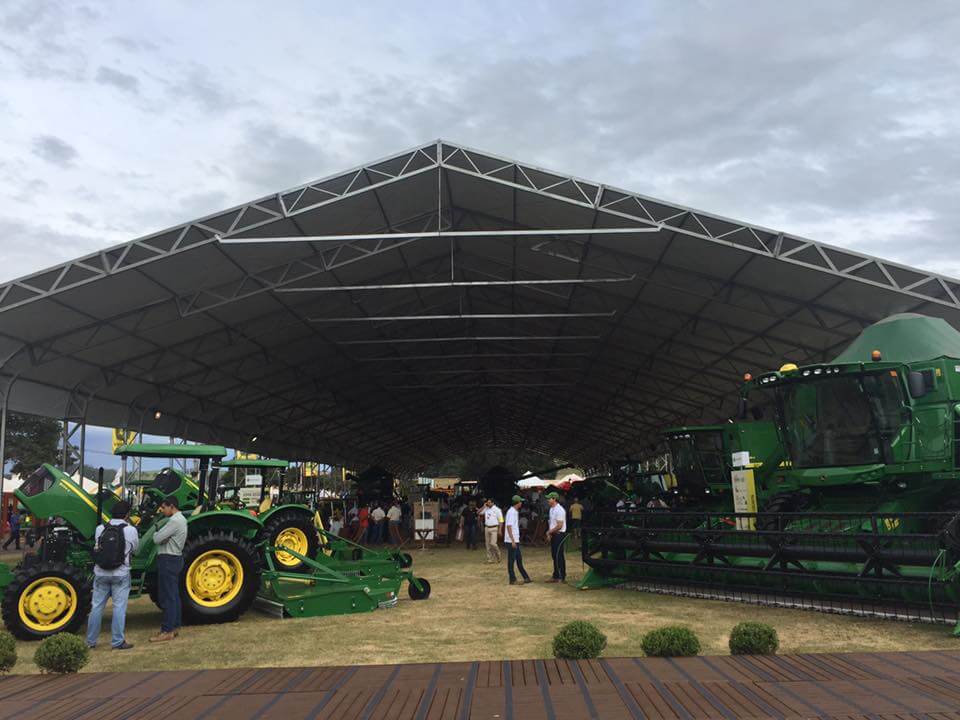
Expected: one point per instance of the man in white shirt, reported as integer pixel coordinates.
(376, 520)
(394, 515)
(557, 533)
(511, 538)
(492, 520)
(113, 583)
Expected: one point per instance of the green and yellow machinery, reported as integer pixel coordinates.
(288, 525)
(227, 560)
(860, 516)
(701, 459)
(49, 591)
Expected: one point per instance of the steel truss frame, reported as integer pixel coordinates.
(616, 393)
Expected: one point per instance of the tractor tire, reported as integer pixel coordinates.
(220, 578)
(292, 529)
(789, 502)
(419, 594)
(45, 599)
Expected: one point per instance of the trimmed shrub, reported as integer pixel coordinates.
(753, 638)
(671, 641)
(579, 640)
(8, 651)
(62, 653)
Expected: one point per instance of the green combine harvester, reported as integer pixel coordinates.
(231, 559)
(858, 499)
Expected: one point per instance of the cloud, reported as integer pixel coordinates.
(270, 158)
(29, 247)
(121, 80)
(200, 86)
(134, 44)
(54, 150)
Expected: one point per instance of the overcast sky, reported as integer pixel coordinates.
(838, 121)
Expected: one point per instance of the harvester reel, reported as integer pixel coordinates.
(45, 599)
(295, 530)
(220, 577)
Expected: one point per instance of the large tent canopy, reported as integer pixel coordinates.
(435, 302)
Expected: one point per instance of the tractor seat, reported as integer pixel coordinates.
(266, 505)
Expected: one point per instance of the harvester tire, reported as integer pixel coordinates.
(416, 594)
(298, 526)
(789, 502)
(45, 599)
(220, 577)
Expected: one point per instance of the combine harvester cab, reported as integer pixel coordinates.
(860, 517)
(700, 463)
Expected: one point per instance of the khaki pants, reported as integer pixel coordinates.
(493, 551)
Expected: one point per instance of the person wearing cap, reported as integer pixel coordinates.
(557, 533)
(492, 520)
(511, 538)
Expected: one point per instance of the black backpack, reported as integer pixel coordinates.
(110, 551)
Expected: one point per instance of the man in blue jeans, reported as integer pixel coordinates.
(170, 539)
(113, 583)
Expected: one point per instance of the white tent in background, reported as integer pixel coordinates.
(532, 482)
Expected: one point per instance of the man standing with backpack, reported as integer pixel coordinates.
(114, 543)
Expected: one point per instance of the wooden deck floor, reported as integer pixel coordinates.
(875, 686)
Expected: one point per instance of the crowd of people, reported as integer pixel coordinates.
(528, 520)
(380, 522)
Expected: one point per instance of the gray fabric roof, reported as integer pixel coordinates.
(629, 315)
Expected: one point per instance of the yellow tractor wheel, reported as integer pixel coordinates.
(219, 579)
(45, 599)
(294, 529)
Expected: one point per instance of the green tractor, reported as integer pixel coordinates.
(701, 459)
(289, 525)
(859, 502)
(49, 591)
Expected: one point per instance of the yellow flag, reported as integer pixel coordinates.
(123, 437)
(246, 455)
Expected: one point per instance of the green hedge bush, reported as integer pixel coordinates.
(579, 640)
(754, 638)
(671, 641)
(62, 653)
(8, 651)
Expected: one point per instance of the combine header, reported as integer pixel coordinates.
(860, 517)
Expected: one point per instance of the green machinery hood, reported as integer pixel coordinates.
(904, 338)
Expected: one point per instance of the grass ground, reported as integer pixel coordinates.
(474, 614)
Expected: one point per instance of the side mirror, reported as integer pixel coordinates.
(916, 384)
